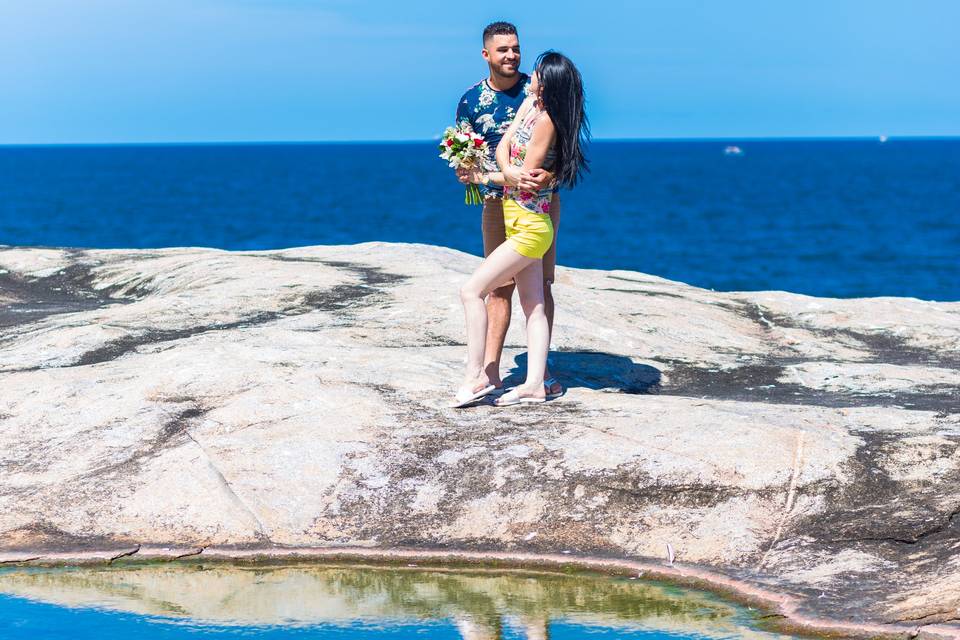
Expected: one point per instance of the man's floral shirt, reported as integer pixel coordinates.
(489, 113)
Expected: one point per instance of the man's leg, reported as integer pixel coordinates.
(498, 302)
(549, 274)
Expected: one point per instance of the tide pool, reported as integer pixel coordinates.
(194, 600)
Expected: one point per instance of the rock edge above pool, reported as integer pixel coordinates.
(294, 401)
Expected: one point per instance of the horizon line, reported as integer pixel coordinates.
(185, 143)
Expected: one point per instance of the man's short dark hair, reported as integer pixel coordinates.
(499, 28)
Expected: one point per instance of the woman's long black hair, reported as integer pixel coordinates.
(561, 91)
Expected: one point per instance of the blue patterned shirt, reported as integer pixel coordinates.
(489, 112)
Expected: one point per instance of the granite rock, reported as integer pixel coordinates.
(283, 399)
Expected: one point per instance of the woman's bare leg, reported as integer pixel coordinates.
(473, 629)
(530, 286)
(536, 627)
(501, 265)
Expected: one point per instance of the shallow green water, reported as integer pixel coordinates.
(197, 601)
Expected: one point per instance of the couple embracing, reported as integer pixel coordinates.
(538, 128)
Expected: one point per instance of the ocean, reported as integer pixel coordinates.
(839, 218)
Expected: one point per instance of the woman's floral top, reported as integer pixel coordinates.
(489, 113)
(536, 201)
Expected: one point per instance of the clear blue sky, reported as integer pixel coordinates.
(258, 70)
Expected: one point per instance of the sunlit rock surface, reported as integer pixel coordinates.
(198, 398)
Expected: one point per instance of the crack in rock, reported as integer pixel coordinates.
(125, 554)
(21, 560)
(191, 554)
(261, 530)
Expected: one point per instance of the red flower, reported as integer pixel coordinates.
(478, 142)
(450, 143)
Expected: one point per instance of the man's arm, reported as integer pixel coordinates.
(508, 174)
(535, 179)
(463, 116)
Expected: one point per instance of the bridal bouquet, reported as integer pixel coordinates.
(464, 149)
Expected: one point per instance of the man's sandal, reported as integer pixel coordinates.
(548, 384)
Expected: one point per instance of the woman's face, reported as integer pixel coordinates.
(535, 84)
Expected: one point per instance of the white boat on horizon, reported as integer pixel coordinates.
(733, 150)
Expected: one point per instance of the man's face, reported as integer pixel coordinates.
(502, 53)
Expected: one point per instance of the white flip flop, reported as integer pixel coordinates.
(507, 401)
(463, 398)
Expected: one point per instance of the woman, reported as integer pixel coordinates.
(549, 132)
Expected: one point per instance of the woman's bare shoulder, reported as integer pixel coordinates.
(544, 123)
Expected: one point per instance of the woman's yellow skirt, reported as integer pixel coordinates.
(531, 234)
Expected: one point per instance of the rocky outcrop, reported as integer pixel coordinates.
(211, 401)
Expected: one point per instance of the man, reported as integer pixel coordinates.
(488, 108)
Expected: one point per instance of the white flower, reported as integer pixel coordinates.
(486, 97)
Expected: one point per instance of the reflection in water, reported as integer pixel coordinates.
(480, 605)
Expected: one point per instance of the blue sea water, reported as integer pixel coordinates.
(843, 218)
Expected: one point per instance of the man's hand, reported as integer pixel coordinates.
(535, 179)
(473, 175)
